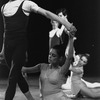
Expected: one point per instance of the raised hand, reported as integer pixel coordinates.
(72, 30)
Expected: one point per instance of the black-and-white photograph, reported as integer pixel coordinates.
(49, 50)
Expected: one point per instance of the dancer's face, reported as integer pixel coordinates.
(83, 60)
(53, 57)
(55, 24)
(61, 15)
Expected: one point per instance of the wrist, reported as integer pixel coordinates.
(68, 24)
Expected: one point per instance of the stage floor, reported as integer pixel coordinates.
(34, 88)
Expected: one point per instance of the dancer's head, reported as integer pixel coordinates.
(84, 59)
(81, 59)
(56, 54)
(62, 12)
(54, 24)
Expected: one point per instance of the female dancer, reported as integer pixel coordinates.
(78, 85)
(53, 75)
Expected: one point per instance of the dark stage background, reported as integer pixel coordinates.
(85, 15)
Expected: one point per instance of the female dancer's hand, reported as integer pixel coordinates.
(72, 30)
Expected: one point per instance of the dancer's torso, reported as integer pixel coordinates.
(15, 20)
(51, 80)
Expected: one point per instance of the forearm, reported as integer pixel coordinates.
(33, 69)
(28, 70)
(69, 49)
(69, 56)
(53, 16)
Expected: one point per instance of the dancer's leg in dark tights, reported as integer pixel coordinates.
(15, 57)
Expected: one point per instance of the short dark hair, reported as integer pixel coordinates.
(86, 55)
(63, 10)
(60, 50)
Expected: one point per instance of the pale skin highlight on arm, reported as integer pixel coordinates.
(33, 7)
(52, 16)
(32, 69)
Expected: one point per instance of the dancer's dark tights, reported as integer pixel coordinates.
(15, 52)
